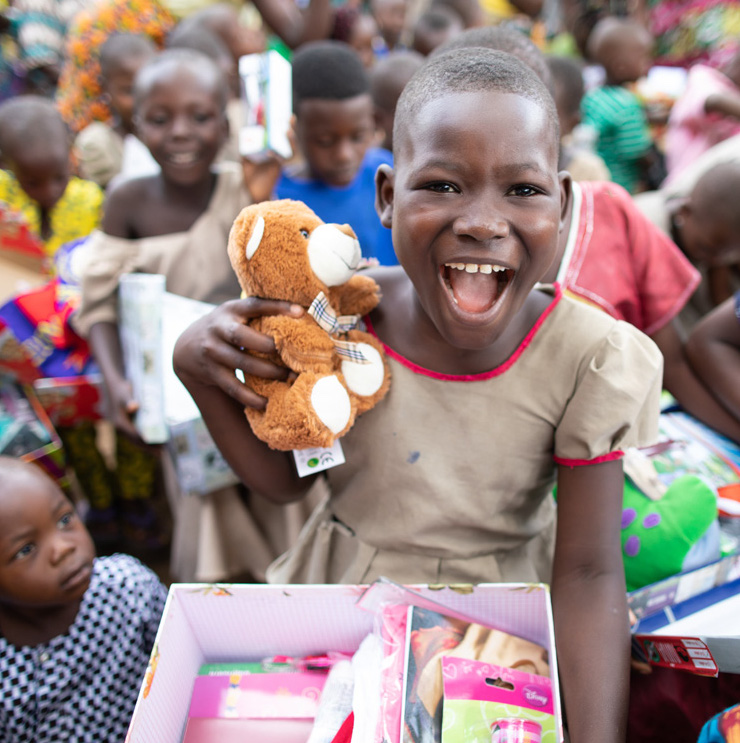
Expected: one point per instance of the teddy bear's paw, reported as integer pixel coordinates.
(331, 403)
(364, 379)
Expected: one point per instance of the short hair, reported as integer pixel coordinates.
(197, 36)
(29, 121)
(715, 194)
(328, 70)
(470, 71)
(609, 35)
(123, 46)
(195, 61)
(567, 81)
(389, 76)
(502, 38)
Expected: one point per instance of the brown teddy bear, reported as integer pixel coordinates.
(282, 250)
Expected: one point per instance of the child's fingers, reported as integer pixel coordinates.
(228, 383)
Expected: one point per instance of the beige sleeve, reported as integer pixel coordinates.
(99, 153)
(616, 402)
(109, 258)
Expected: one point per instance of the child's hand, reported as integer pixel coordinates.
(261, 171)
(212, 348)
(123, 408)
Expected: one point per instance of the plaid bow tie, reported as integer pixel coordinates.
(326, 317)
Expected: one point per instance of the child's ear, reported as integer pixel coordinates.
(384, 188)
(566, 194)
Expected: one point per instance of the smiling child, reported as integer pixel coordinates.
(75, 631)
(498, 389)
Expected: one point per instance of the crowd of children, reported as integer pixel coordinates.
(548, 263)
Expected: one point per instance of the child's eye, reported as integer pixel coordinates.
(66, 520)
(441, 188)
(524, 190)
(202, 116)
(24, 551)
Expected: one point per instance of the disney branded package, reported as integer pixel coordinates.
(485, 703)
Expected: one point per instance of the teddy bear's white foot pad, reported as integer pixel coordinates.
(331, 403)
(364, 379)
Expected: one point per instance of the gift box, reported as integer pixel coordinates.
(70, 400)
(689, 621)
(18, 244)
(151, 321)
(25, 430)
(211, 624)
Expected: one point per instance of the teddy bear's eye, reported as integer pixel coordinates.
(304, 233)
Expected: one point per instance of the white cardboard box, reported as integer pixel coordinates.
(211, 623)
(152, 320)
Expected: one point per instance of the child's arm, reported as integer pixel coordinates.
(293, 26)
(589, 602)
(714, 352)
(205, 358)
(680, 379)
(105, 345)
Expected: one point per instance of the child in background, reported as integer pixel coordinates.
(334, 129)
(707, 113)
(387, 80)
(623, 48)
(99, 147)
(714, 351)
(390, 15)
(705, 224)
(359, 30)
(75, 631)
(174, 223)
(202, 39)
(576, 151)
(497, 386)
(37, 181)
(435, 27)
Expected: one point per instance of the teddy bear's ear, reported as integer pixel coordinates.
(255, 238)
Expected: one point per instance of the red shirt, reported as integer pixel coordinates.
(619, 261)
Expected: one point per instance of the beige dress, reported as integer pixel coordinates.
(216, 536)
(449, 479)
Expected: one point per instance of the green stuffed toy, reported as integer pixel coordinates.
(676, 532)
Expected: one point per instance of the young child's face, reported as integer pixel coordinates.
(362, 38)
(46, 554)
(119, 87)
(631, 60)
(334, 136)
(475, 204)
(706, 239)
(391, 18)
(43, 172)
(180, 118)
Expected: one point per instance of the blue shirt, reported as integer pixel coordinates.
(353, 205)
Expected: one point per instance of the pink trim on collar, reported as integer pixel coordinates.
(598, 460)
(471, 377)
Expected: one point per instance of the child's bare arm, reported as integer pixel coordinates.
(714, 352)
(589, 602)
(205, 358)
(293, 26)
(726, 104)
(680, 379)
(105, 345)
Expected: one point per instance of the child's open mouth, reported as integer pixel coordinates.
(475, 287)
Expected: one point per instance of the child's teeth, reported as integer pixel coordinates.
(476, 267)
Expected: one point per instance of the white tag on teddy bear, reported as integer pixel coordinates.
(311, 461)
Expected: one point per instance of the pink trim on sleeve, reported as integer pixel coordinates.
(471, 377)
(597, 460)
